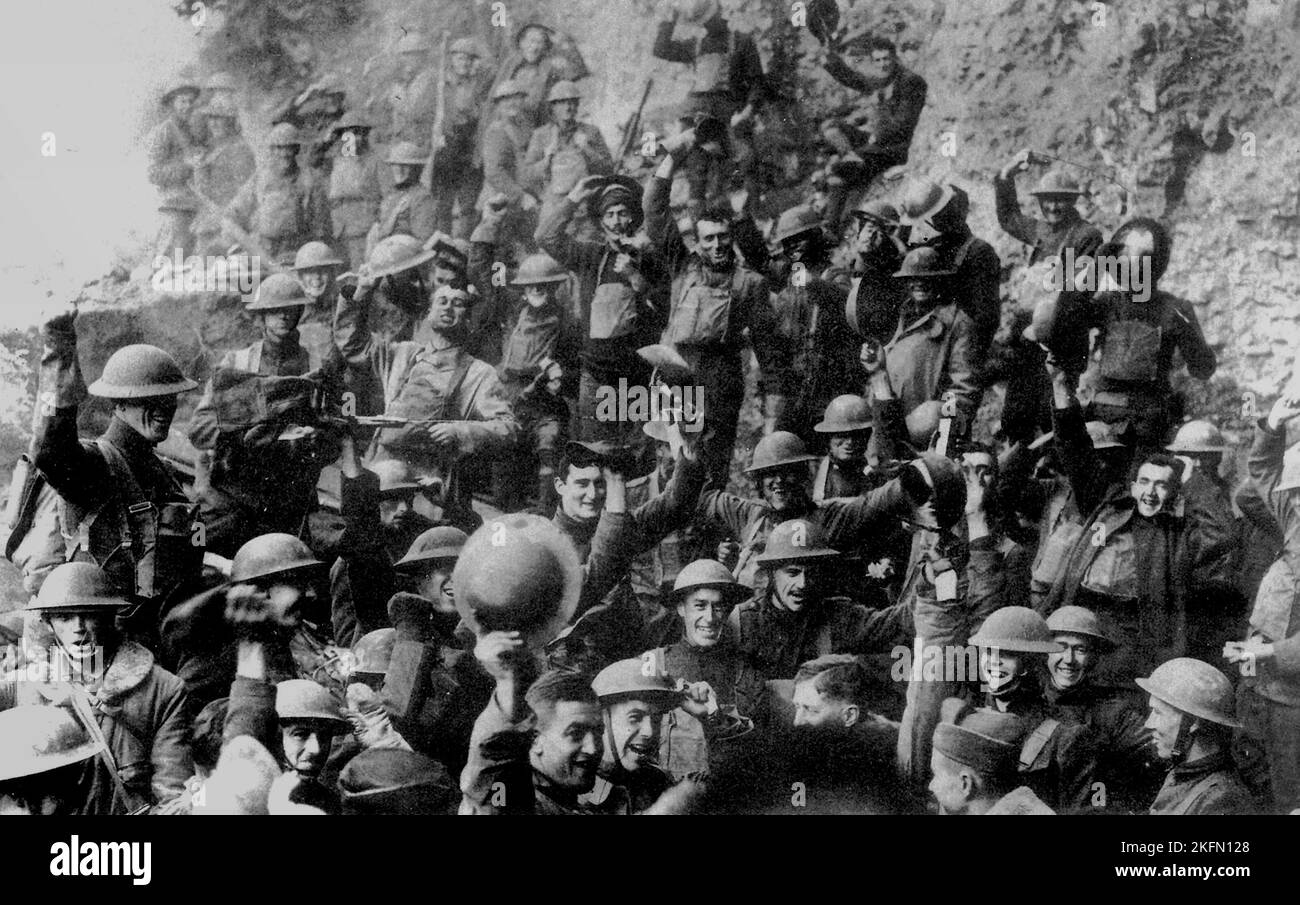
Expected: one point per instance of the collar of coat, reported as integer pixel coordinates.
(127, 439)
(1211, 763)
(936, 321)
(581, 532)
(131, 665)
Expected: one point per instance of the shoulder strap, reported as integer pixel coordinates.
(1036, 742)
(463, 362)
(959, 258)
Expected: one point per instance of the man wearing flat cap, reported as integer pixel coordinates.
(973, 763)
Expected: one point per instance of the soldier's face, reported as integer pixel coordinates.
(511, 106)
(813, 710)
(582, 493)
(792, 586)
(536, 295)
(785, 488)
(532, 44)
(150, 418)
(883, 63)
(1165, 724)
(437, 587)
(219, 126)
(83, 632)
(285, 157)
(796, 247)
(397, 510)
(714, 243)
(410, 63)
(951, 784)
(848, 447)
(448, 311)
(461, 64)
(568, 748)
(182, 104)
(617, 220)
(281, 322)
(634, 728)
(921, 291)
(1056, 208)
(704, 613)
(1001, 668)
(1153, 489)
(1072, 666)
(564, 112)
(315, 281)
(306, 745)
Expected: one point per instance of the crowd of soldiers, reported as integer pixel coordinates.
(418, 568)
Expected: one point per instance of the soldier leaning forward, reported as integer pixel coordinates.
(121, 506)
(258, 418)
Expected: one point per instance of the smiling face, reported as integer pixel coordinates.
(447, 311)
(1057, 209)
(785, 489)
(436, 586)
(922, 292)
(713, 241)
(279, 323)
(1073, 665)
(315, 281)
(80, 633)
(848, 448)
(538, 295)
(306, 745)
(793, 585)
(704, 614)
(151, 418)
(1002, 669)
(568, 748)
(1154, 489)
(634, 728)
(582, 493)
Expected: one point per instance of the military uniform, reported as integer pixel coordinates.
(457, 168)
(219, 176)
(172, 147)
(411, 211)
(1209, 785)
(354, 196)
(283, 212)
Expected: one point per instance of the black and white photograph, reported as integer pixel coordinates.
(651, 407)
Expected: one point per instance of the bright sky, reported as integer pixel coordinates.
(88, 71)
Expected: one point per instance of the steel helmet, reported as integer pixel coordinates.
(922, 263)
(948, 486)
(1198, 437)
(315, 254)
(303, 699)
(220, 81)
(508, 88)
(37, 738)
(284, 135)
(412, 42)
(1057, 182)
(923, 199)
(1076, 620)
(878, 210)
(539, 268)
(353, 119)
(408, 153)
(627, 679)
(1016, 628)
(922, 422)
(185, 88)
(270, 554)
(845, 414)
(397, 253)
(518, 573)
(374, 651)
(77, 586)
(1194, 687)
(1290, 479)
(140, 372)
(279, 290)
(794, 541)
(519, 33)
(776, 450)
(795, 221)
(441, 543)
(706, 573)
(563, 90)
(466, 46)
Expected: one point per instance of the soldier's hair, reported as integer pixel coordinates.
(840, 677)
(577, 459)
(714, 214)
(554, 687)
(1162, 460)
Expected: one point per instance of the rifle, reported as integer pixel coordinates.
(629, 131)
(437, 140)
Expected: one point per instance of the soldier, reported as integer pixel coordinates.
(315, 111)
(936, 217)
(225, 167)
(505, 144)
(617, 281)
(1269, 695)
(258, 420)
(563, 152)
(354, 186)
(121, 504)
(535, 66)
(974, 767)
(817, 357)
(793, 618)
(309, 722)
(281, 207)
(43, 750)
(704, 650)
(715, 300)
(1192, 720)
(457, 168)
(1057, 761)
(875, 297)
(780, 470)
(408, 209)
(413, 100)
(1115, 715)
(316, 267)
(843, 471)
(135, 710)
(1057, 240)
(174, 150)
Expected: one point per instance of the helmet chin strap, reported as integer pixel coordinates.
(1183, 741)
